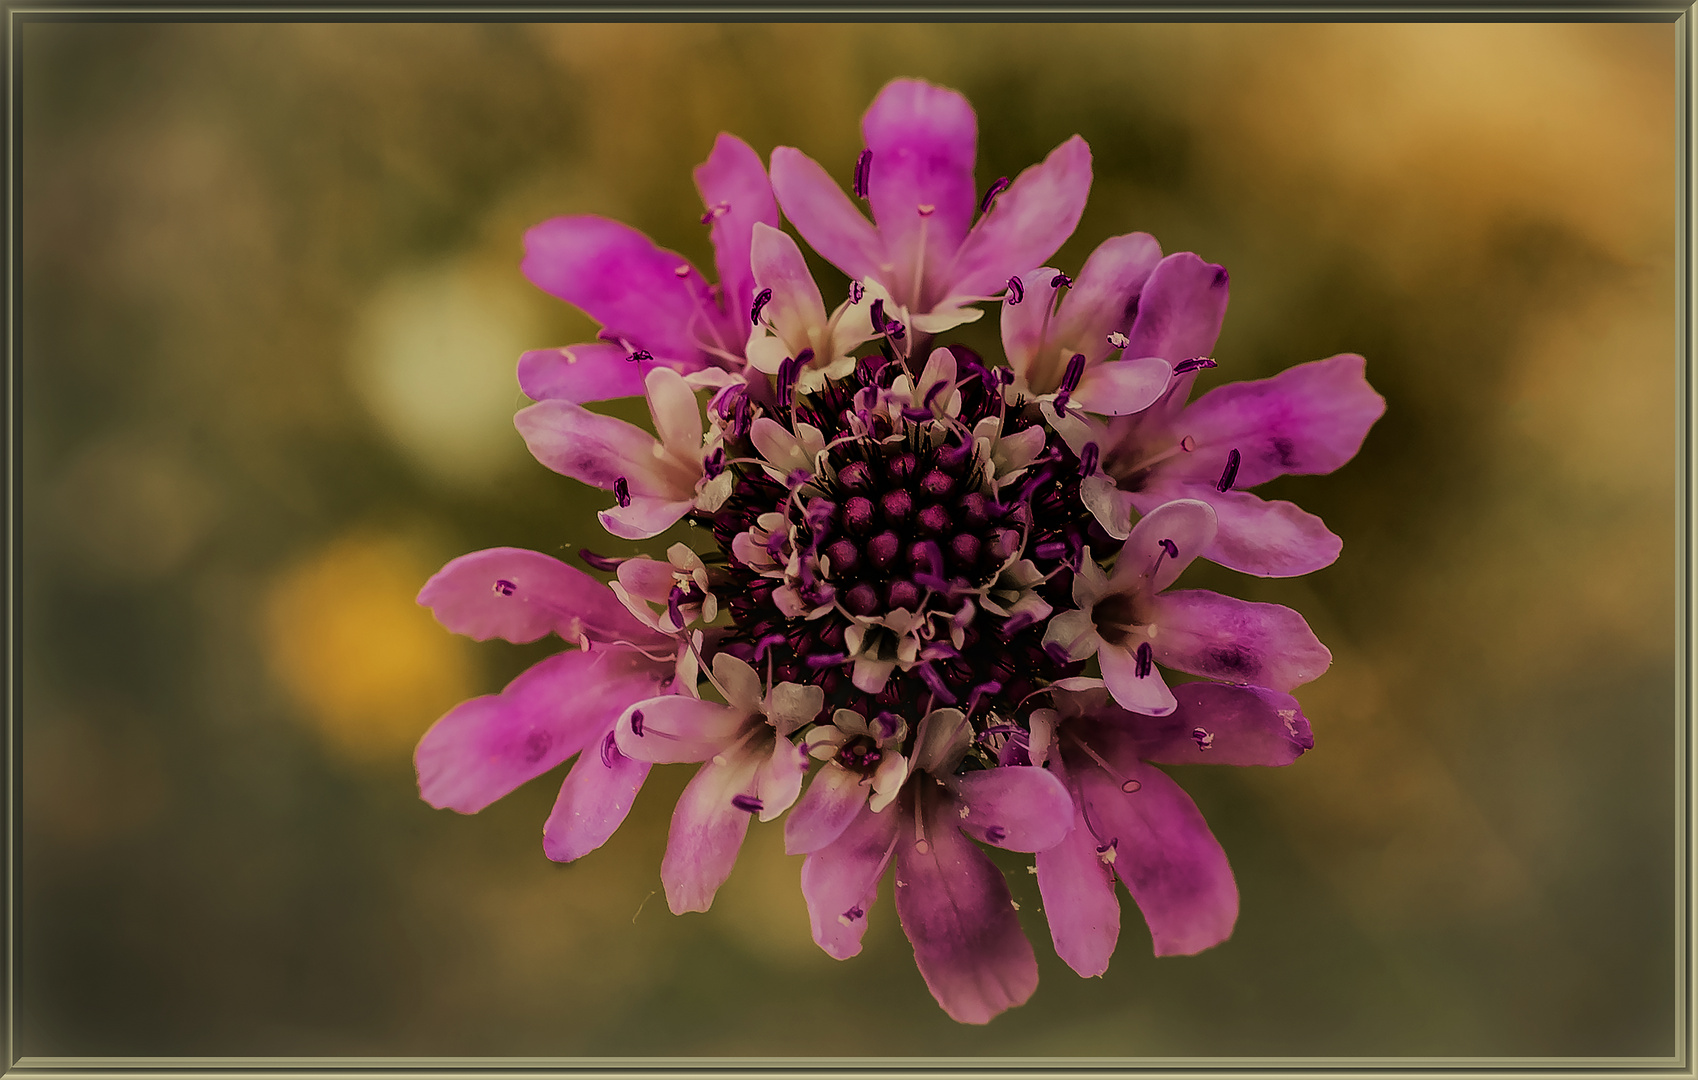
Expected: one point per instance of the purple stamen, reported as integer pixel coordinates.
(1171, 548)
(637, 722)
(1051, 549)
(1117, 340)
(996, 189)
(1017, 623)
(1205, 739)
(714, 464)
(609, 750)
(1089, 459)
(622, 493)
(856, 291)
(600, 562)
(747, 803)
(761, 300)
(936, 389)
(1145, 659)
(1061, 400)
(1059, 281)
(877, 316)
(1230, 473)
(1057, 652)
(1016, 291)
(1075, 371)
(768, 642)
(639, 356)
(674, 606)
(718, 210)
(935, 683)
(503, 587)
(996, 834)
(1196, 363)
(984, 689)
(895, 330)
(827, 660)
(885, 726)
(863, 174)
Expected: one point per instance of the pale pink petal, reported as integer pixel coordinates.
(579, 373)
(825, 809)
(520, 595)
(1215, 724)
(823, 214)
(1265, 538)
(734, 188)
(677, 728)
(621, 280)
(1146, 693)
(1163, 850)
(795, 307)
(707, 831)
(677, 417)
(1188, 525)
(840, 880)
(646, 516)
(1311, 418)
(1222, 637)
(1078, 892)
(1028, 223)
(597, 450)
(593, 801)
(1018, 807)
(486, 747)
(779, 779)
(1023, 329)
(957, 913)
(1104, 296)
(1119, 387)
(923, 139)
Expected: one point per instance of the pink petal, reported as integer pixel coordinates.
(597, 450)
(795, 307)
(1024, 327)
(825, 809)
(1105, 294)
(486, 747)
(1186, 524)
(1017, 807)
(1221, 637)
(1179, 316)
(923, 139)
(1215, 724)
(707, 831)
(955, 909)
(593, 801)
(778, 780)
(580, 373)
(1163, 850)
(1028, 223)
(1311, 418)
(840, 880)
(1268, 539)
(678, 727)
(645, 517)
(734, 178)
(520, 595)
(1118, 387)
(824, 216)
(677, 418)
(1146, 693)
(621, 280)
(1078, 892)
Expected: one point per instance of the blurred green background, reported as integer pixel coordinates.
(272, 308)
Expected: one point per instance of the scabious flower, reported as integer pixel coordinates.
(915, 567)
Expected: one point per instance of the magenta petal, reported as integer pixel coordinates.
(956, 910)
(840, 880)
(707, 832)
(1018, 807)
(1079, 901)
(587, 446)
(593, 801)
(520, 595)
(1024, 328)
(1119, 387)
(923, 139)
(1311, 418)
(678, 727)
(1222, 637)
(1029, 222)
(1215, 724)
(1105, 294)
(1266, 538)
(825, 809)
(1180, 309)
(1146, 693)
(486, 747)
(580, 373)
(735, 190)
(1163, 850)
(621, 280)
(824, 216)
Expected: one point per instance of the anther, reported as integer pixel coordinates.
(504, 587)
(825, 660)
(1204, 739)
(863, 174)
(877, 316)
(761, 300)
(600, 562)
(622, 493)
(637, 722)
(996, 189)
(1060, 281)
(1230, 473)
(1089, 459)
(1188, 444)
(925, 209)
(1016, 291)
(718, 210)
(934, 682)
(996, 834)
(1144, 661)
(1171, 548)
(609, 751)
(1075, 371)
(1196, 363)
(639, 356)
(856, 291)
(747, 803)
(1117, 340)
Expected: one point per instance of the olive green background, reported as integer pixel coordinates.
(271, 309)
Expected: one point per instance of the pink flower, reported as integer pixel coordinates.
(1131, 624)
(1131, 821)
(565, 705)
(1308, 419)
(654, 307)
(927, 251)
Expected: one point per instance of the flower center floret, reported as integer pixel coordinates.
(919, 555)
